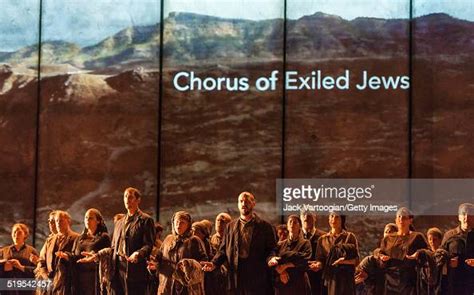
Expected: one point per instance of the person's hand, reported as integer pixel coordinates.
(273, 261)
(88, 257)
(133, 258)
(34, 259)
(208, 266)
(315, 266)
(62, 255)
(414, 256)
(384, 257)
(454, 262)
(470, 262)
(8, 266)
(361, 277)
(338, 261)
(151, 266)
(284, 277)
(281, 268)
(16, 264)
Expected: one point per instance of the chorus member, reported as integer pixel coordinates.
(337, 254)
(312, 234)
(44, 264)
(370, 273)
(63, 242)
(248, 243)
(132, 242)
(389, 228)
(201, 230)
(177, 246)
(222, 220)
(457, 242)
(218, 277)
(282, 232)
(94, 238)
(395, 252)
(16, 260)
(291, 261)
(435, 237)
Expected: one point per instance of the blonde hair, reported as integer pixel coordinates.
(60, 213)
(24, 228)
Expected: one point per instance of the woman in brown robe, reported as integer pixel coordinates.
(398, 255)
(337, 254)
(291, 261)
(178, 245)
(16, 260)
(94, 238)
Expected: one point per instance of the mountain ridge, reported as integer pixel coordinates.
(191, 38)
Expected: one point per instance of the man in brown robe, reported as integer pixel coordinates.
(53, 262)
(218, 278)
(249, 242)
(457, 242)
(132, 243)
(44, 265)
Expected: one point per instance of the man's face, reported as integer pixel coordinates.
(181, 225)
(293, 226)
(434, 242)
(221, 222)
(308, 221)
(386, 231)
(130, 201)
(18, 235)
(62, 223)
(403, 221)
(335, 221)
(282, 234)
(466, 220)
(52, 224)
(246, 204)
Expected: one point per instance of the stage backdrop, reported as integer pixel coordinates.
(98, 96)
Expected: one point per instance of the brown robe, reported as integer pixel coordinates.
(86, 280)
(338, 280)
(459, 243)
(23, 255)
(314, 277)
(54, 268)
(400, 272)
(173, 249)
(251, 274)
(299, 253)
(217, 278)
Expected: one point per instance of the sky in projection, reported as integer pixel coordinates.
(88, 22)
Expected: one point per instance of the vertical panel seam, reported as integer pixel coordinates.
(410, 99)
(37, 135)
(283, 122)
(160, 104)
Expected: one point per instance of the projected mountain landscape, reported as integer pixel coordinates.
(192, 38)
(99, 111)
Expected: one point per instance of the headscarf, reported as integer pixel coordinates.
(178, 239)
